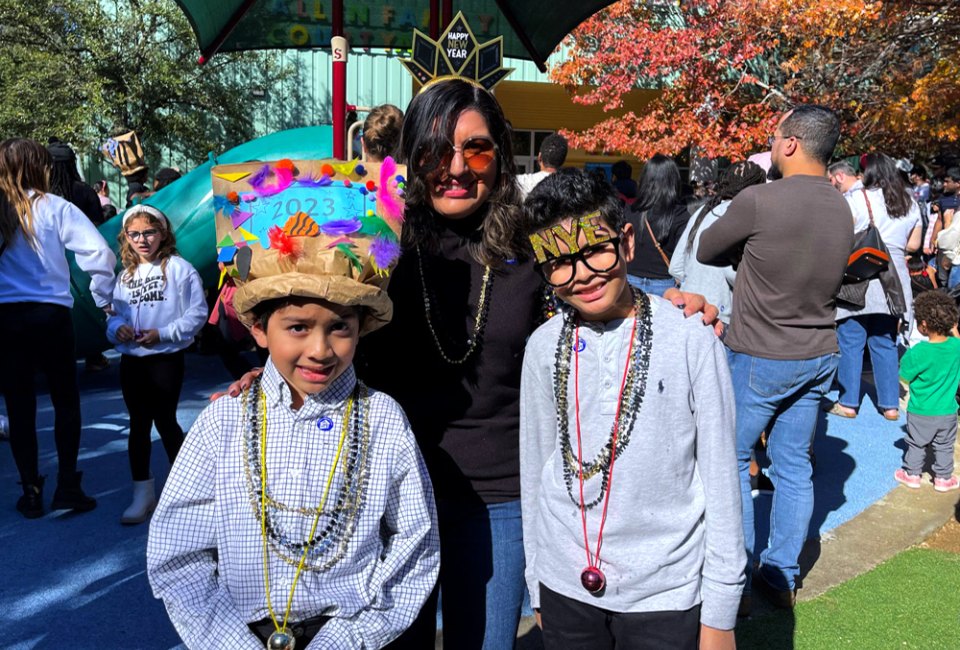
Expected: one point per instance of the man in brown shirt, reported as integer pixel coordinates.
(792, 238)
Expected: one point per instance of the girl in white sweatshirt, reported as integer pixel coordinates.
(36, 328)
(159, 307)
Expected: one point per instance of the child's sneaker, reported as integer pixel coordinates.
(910, 480)
(946, 484)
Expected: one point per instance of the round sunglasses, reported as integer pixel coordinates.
(478, 153)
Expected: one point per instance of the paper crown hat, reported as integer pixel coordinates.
(310, 228)
(457, 54)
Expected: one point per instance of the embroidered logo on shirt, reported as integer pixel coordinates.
(581, 344)
(324, 424)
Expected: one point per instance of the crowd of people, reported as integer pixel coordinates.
(463, 453)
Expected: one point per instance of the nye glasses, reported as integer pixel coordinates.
(477, 154)
(599, 258)
(136, 235)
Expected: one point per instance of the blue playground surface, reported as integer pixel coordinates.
(79, 581)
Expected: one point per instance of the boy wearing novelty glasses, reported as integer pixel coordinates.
(631, 510)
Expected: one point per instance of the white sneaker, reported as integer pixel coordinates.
(4, 428)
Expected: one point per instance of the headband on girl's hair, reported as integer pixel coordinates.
(146, 209)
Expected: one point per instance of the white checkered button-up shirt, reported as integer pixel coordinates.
(205, 550)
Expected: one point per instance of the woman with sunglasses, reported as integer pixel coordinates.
(465, 301)
(466, 298)
(36, 228)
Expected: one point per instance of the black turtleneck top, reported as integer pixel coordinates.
(466, 417)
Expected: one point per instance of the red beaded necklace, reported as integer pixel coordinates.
(592, 577)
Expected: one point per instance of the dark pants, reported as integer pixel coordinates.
(569, 624)
(151, 390)
(302, 632)
(38, 337)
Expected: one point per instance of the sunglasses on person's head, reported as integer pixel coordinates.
(477, 154)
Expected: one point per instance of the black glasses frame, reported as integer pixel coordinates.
(580, 256)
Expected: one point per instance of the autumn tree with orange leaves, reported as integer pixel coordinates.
(728, 68)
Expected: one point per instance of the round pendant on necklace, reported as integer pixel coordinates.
(593, 579)
(281, 641)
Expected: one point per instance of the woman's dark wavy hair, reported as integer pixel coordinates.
(879, 171)
(428, 128)
(571, 192)
(733, 179)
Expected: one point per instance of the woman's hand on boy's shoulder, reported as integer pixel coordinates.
(240, 385)
(694, 303)
(713, 639)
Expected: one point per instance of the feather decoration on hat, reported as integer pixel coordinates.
(311, 181)
(260, 176)
(341, 227)
(283, 175)
(388, 199)
(284, 244)
(383, 253)
(350, 255)
(222, 204)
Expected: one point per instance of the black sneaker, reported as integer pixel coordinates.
(30, 504)
(70, 496)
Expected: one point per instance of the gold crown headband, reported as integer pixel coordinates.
(456, 55)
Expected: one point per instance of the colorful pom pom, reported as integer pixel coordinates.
(347, 183)
(360, 170)
(286, 163)
(233, 197)
(327, 170)
(371, 185)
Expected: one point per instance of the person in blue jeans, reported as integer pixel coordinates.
(782, 338)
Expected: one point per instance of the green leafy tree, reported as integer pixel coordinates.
(83, 70)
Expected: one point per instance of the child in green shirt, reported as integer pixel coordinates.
(932, 368)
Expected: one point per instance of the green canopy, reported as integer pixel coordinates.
(188, 203)
(528, 29)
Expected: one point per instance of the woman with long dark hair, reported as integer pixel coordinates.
(466, 298)
(36, 330)
(659, 216)
(886, 200)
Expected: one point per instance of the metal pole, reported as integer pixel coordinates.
(434, 19)
(339, 50)
(447, 13)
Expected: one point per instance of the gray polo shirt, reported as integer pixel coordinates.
(673, 536)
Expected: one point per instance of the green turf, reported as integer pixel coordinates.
(911, 601)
